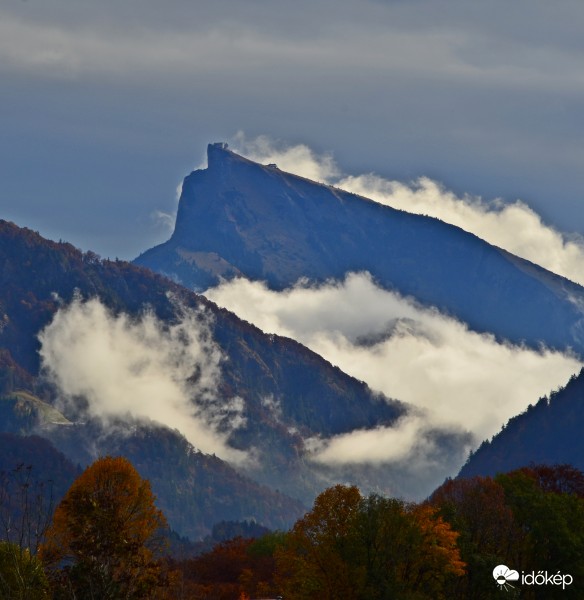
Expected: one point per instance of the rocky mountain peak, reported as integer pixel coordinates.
(240, 218)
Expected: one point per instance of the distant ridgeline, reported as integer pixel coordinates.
(195, 490)
(550, 432)
(238, 217)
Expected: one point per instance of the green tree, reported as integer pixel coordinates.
(318, 559)
(25, 514)
(489, 534)
(553, 521)
(21, 574)
(531, 519)
(105, 536)
(409, 550)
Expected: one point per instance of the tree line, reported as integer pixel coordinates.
(107, 540)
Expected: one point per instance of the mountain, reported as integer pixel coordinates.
(34, 476)
(52, 469)
(288, 393)
(193, 489)
(240, 218)
(549, 432)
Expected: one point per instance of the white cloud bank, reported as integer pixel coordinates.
(410, 441)
(512, 226)
(136, 367)
(458, 379)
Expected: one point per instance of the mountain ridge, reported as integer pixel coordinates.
(314, 398)
(547, 432)
(239, 218)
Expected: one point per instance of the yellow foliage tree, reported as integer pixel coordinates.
(21, 574)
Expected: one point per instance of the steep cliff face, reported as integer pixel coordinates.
(240, 218)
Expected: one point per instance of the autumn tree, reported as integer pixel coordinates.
(104, 541)
(437, 556)
(559, 479)
(530, 519)
(233, 568)
(354, 547)
(409, 549)
(489, 533)
(319, 555)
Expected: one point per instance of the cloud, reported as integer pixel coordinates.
(164, 220)
(121, 367)
(101, 46)
(409, 440)
(385, 37)
(457, 380)
(293, 158)
(513, 226)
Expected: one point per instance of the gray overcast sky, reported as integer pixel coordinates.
(105, 106)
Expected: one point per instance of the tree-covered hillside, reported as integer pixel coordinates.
(548, 432)
(40, 278)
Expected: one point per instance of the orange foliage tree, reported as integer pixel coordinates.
(105, 536)
(438, 555)
(235, 568)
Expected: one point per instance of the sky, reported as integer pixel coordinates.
(106, 106)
